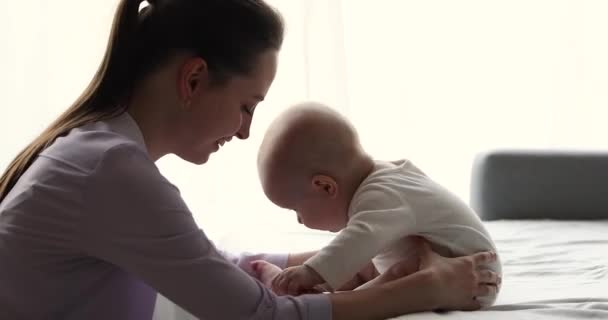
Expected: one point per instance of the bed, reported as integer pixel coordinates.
(548, 214)
(552, 270)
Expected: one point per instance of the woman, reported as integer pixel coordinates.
(89, 229)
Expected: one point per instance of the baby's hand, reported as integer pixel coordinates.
(296, 280)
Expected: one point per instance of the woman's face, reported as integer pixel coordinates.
(219, 113)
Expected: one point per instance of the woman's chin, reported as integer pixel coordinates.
(196, 158)
(201, 154)
(201, 161)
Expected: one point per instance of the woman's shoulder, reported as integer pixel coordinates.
(86, 147)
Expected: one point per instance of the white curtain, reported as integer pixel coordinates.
(435, 81)
(432, 81)
(438, 81)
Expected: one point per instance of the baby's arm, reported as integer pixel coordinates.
(381, 218)
(269, 273)
(266, 272)
(297, 259)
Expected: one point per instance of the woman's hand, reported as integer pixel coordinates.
(368, 273)
(458, 281)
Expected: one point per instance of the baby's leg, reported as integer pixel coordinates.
(265, 271)
(398, 270)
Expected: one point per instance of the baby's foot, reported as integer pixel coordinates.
(265, 271)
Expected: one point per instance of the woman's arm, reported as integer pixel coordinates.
(403, 296)
(443, 283)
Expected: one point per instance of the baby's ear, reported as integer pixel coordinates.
(325, 184)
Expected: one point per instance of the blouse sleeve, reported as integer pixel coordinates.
(138, 221)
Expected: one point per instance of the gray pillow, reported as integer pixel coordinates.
(526, 184)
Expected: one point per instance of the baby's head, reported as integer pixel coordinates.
(311, 161)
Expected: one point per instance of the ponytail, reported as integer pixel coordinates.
(102, 99)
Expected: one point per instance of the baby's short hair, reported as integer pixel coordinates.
(308, 138)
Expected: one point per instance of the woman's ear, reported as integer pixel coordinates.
(192, 74)
(325, 184)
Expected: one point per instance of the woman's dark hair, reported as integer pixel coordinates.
(228, 34)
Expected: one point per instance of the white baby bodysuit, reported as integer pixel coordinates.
(395, 201)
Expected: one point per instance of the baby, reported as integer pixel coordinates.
(311, 162)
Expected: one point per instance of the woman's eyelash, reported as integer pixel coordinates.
(247, 110)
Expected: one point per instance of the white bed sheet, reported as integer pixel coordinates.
(553, 270)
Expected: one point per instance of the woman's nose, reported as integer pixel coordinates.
(300, 220)
(243, 132)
